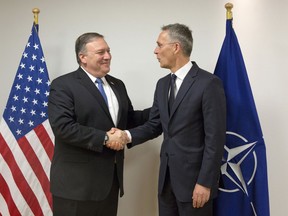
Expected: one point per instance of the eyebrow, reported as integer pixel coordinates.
(102, 50)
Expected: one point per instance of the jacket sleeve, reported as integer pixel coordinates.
(214, 115)
(152, 128)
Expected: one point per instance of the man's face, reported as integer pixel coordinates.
(165, 51)
(96, 60)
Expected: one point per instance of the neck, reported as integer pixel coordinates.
(179, 64)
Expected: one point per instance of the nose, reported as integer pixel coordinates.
(156, 50)
(107, 55)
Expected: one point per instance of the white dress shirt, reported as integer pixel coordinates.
(113, 104)
(181, 74)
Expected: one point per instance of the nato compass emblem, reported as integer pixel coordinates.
(239, 165)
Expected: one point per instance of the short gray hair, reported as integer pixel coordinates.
(182, 34)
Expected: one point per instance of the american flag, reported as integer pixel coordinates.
(26, 145)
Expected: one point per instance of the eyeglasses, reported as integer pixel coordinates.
(162, 45)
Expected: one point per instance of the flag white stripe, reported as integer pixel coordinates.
(48, 128)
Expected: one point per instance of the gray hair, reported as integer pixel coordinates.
(82, 40)
(182, 34)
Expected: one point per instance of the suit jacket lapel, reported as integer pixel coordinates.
(186, 85)
(92, 88)
(166, 88)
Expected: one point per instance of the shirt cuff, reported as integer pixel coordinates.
(129, 136)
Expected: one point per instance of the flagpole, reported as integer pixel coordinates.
(36, 11)
(229, 14)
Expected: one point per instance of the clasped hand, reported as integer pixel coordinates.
(117, 139)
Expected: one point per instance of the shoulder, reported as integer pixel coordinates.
(112, 78)
(203, 79)
(204, 74)
(164, 79)
(68, 81)
(67, 76)
(114, 81)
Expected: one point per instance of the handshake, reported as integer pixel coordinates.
(117, 139)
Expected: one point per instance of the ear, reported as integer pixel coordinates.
(177, 48)
(83, 58)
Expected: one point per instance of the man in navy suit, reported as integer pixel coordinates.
(193, 128)
(86, 175)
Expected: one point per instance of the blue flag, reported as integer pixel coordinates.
(243, 189)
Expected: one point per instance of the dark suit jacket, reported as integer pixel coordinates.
(194, 133)
(82, 168)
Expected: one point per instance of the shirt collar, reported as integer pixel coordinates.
(182, 72)
(92, 77)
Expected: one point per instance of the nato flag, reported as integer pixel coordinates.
(243, 189)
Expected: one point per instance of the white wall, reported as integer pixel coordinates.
(131, 29)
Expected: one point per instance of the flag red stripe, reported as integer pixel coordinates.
(45, 140)
(36, 166)
(19, 179)
(4, 190)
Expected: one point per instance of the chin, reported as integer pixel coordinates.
(106, 70)
(163, 66)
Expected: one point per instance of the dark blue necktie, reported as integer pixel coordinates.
(101, 89)
(172, 92)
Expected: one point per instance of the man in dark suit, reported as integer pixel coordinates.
(86, 175)
(194, 128)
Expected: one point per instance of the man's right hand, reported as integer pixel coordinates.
(117, 139)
